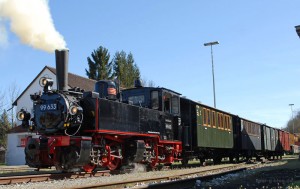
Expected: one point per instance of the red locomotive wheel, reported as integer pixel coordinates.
(89, 168)
(114, 163)
(154, 160)
(113, 160)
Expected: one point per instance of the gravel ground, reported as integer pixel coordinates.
(256, 178)
(71, 183)
(285, 174)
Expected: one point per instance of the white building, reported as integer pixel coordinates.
(15, 154)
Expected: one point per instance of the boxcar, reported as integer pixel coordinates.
(268, 140)
(294, 143)
(284, 141)
(210, 133)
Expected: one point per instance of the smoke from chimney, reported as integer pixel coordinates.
(31, 21)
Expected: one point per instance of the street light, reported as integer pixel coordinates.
(298, 30)
(212, 66)
(292, 116)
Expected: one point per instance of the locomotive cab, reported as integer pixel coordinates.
(160, 99)
(106, 89)
(164, 101)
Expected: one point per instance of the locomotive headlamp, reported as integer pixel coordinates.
(75, 109)
(24, 116)
(20, 116)
(46, 81)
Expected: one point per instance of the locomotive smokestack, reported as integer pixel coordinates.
(62, 60)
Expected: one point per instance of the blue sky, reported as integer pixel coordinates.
(256, 63)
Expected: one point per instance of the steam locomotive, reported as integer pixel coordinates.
(88, 129)
(149, 125)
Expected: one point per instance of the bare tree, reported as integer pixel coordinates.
(13, 93)
(147, 83)
(293, 125)
(2, 101)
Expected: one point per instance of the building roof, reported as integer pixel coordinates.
(73, 81)
(78, 81)
(18, 129)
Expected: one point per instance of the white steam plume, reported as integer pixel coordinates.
(3, 34)
(31, 21)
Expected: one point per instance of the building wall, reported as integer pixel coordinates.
(15, 154)
(24, 101)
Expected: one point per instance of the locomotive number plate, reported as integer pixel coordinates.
(48, 107)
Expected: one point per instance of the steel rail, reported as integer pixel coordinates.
(5, 180)
(168, 179)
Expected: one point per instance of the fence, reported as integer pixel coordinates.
(2, 157)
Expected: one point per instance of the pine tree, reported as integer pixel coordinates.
(125, 69)
(100, 66)
(4, 128)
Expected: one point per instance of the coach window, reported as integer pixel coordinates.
(219, 120)
(204, 117)
(225, 122)
(207, 117)
(222, 121)
(221, 126)
(154, 100)
(229, 123)
(214, 119)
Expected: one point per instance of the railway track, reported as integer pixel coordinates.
(155, 179)
(47, 177)
(181, 180)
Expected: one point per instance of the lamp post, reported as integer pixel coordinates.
(292, 116)
(298, 30)
(212, 66)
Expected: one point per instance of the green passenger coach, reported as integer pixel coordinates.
(214, 128)
(207, 132)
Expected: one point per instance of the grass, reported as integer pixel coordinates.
(294, 184)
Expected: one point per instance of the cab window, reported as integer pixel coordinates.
(136, 100)
(154, 100)
(175, 105)
(167, 102)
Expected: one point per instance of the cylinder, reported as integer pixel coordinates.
(62, 60)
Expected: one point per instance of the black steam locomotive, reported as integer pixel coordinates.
(88, 129)
(108, 128)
